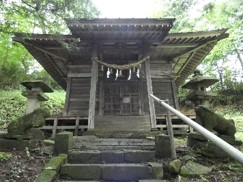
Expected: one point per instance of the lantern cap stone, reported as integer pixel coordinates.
(35, 84)
(199, 80)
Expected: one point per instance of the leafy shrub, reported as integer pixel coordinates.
(5, 156)
(13, 104)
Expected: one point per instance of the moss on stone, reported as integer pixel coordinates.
(193, 168)
(22, 124)
(175, 166)
(51, 169)
(56, 162)
(47, 176)
(63, 142)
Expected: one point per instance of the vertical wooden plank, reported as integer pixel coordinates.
(174, 94)
(101, 98)
(54, 129)
(141, 92)
(92, 100)
(150, 91)
(76, 126)
(67, 100)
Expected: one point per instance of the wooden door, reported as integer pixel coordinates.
(122, 98)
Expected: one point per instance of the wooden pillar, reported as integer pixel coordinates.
(150, 91)
(67, 100)
(93, 86)
(176, 104)
(101, 98)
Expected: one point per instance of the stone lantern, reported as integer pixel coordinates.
(35, 94)
(198, 85)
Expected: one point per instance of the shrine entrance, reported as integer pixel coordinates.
(122, 97)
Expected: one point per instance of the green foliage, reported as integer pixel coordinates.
(181, 11)
(13, 105)
(33, 16)
(55, 104)
(5, 156)
(42, 15)
(225, 61)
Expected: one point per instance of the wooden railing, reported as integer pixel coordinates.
(229, 149)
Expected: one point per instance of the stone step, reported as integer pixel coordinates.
(94, 143)
(122, 123)
(110, 156)
(143, 180)
(111, 172)
(104, 133)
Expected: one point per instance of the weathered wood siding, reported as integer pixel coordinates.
(79, 96)
(78, 90)
(163, 86)
(109, 95)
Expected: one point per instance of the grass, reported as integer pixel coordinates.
(239, 126)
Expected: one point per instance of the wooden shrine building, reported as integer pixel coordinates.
(109, 66)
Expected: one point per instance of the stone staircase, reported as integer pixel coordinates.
(110, 159)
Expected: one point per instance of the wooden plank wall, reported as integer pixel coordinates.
(79, 96)
(79, 93)
(163, 87)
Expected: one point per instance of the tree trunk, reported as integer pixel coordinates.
(239, 58)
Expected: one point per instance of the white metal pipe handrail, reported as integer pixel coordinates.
(229, 149)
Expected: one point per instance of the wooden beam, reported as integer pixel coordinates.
(46, 52)
(55, 65)
(173, 86)
(201, 34)
(185, 64)
(67, 100)
(150, 91)
(202, 43)
(79, 75)
(92, 100)
(101, 98)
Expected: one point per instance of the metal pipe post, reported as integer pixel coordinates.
(171, 134)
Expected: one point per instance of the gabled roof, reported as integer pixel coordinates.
(120, 39)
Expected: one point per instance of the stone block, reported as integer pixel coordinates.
(84, 157)
(112, 156)
(51, 169)
(63, 142)
(56, 162)
(175, 166)
(47, 176)
(157, 170)
(35, 133)
(193, 168)
(162, 146)
(152, 180)
(81, 171)
(137, 156)
(125, 172)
